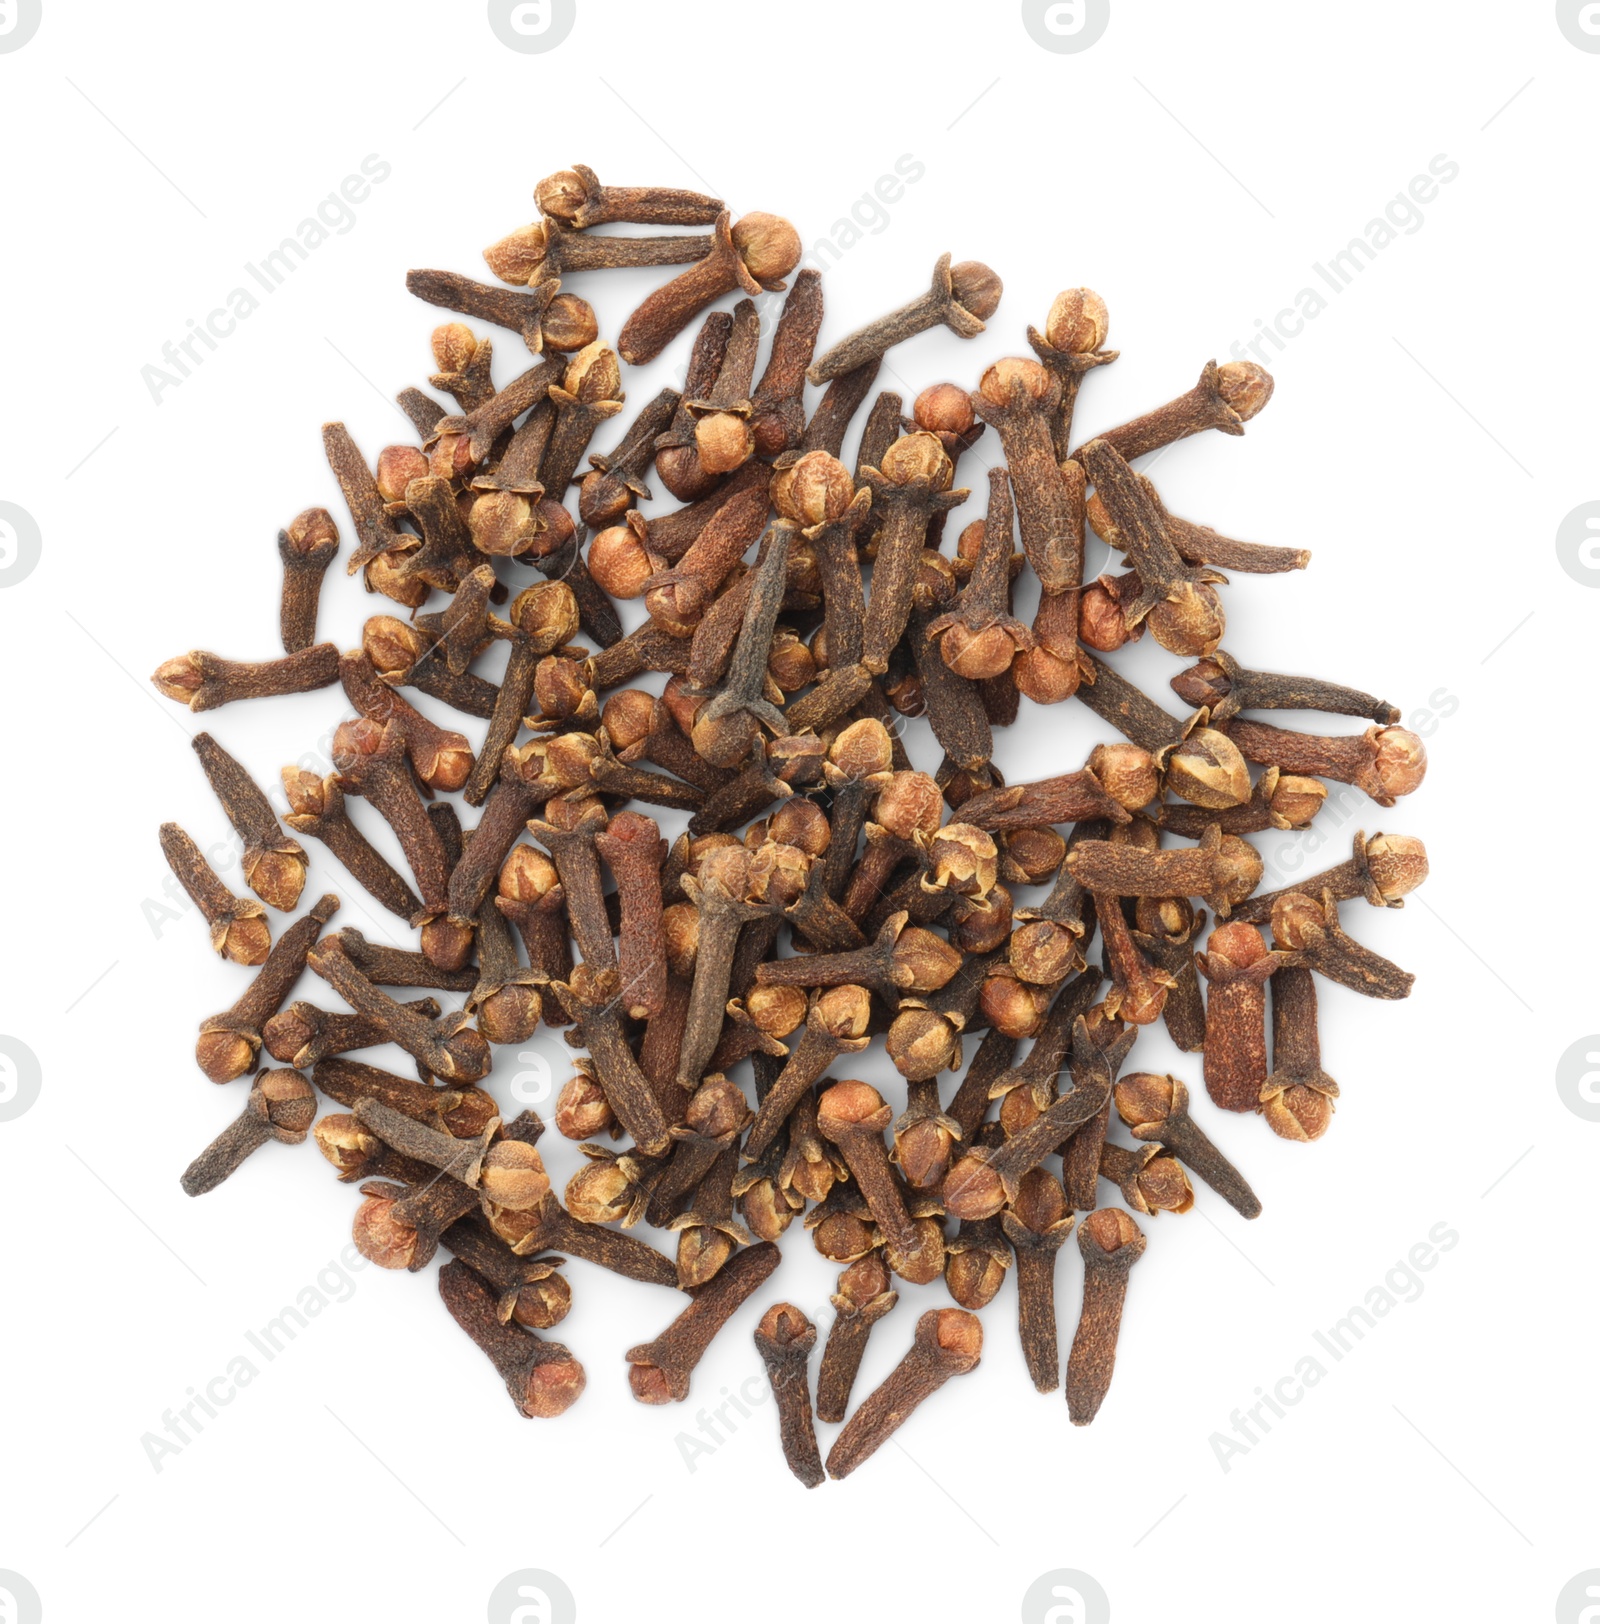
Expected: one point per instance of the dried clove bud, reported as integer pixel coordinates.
(1111, 1243)
(948, 1342)
(281, 1106)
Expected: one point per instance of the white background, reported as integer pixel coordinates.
(1431, 429)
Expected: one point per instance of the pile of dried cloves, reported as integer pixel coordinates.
(826, 891)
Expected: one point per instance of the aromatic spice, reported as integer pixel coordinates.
(949, 1342)
(1111, 1243)
(784, 1339)
(801, 887)
(239, 929)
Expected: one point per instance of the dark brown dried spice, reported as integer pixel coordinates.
(229, 1042)
(1111, 1243)
(1156, 1110)
(948, 1342)
(543, 1378)
(238, 927)
(961, 297)
(863, 1298)
(659, 1371)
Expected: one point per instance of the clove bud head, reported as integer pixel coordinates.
(599, 1192)
(1297, 920)
(1238, 870)
(1110, 1228)
(453, 345)
(918, 456)
(1143, 1097)
(1189, 621)
(923, 1152)
(816, 489)
(723, 441)
(1240, 944)
(553, 1389)
(976, 288)
(311, 530)
(1031, 856)
(680, 936)
(1042, 952)
(1402, 760)
(910, 803)
(1101, 623)
(783, 1327)
(717, 1109)
(582, 1110)
(593, 374)
(923, 962)
(1128, 774)
(569, 323)
(561, 194)
(865, 1279)
(1012, 377)
(620, 559)
(513, 1176)
(843, 1012)
(802, 824)
(1399, 864)
(1078, 321)
(289, 1104)
(778, 873)
(1203, 683)
(944, 409)
(924, 1262)
(964, 859)
(1245, 387)
(1207, 770)
(1163, 1185)
(518, 255)
(397, 466)
(1294, 802)
(767, 243)
(853, 1105)
(1012, 1006)
(1297, 1113)
(381, 1237)
(345, 1144)
(777, 1011)
(527, 875)
(954, 1333)
(975, 1275)
(1040, 1202)
(921, 1043)
(972, 1189)
(842, 1237)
